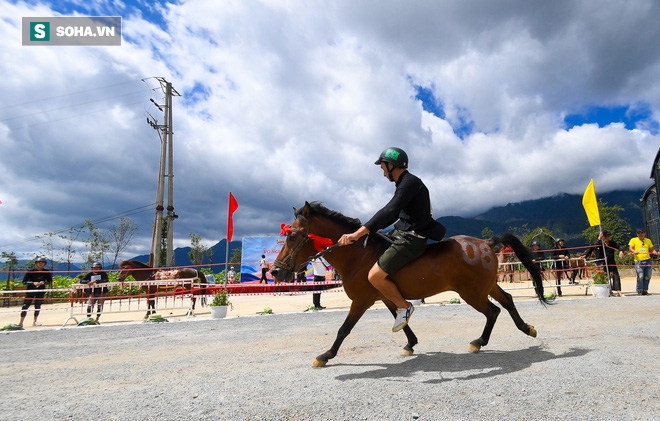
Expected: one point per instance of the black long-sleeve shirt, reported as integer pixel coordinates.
(100, 278)
(597, 249)
(411, 206)
(33, 276)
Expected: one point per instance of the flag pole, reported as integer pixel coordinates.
(607, 266)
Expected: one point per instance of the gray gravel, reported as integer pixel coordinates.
(593, 359)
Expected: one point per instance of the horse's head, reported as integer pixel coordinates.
(126, 269)
(298, 246)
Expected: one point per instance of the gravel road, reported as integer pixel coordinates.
(593, 359)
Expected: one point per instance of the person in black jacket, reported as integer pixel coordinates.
(96, 293)
(410, 208)
(538, 255)
(35, 281)
(562, 262)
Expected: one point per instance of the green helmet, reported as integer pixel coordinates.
(395, 156)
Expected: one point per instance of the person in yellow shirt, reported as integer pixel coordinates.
(642, 249)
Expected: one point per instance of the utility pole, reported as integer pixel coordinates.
(165, 133)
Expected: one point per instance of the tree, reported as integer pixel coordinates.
(544, 236)
(11, 262)
(197, 249)
(120, 237)
(97, 244)
(163, 245)
(236, 257)
(486, 233)
(48, 246)
(610, 220)
(68, 250)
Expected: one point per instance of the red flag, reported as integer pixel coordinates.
(233, 205)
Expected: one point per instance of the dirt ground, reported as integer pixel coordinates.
(55, 315)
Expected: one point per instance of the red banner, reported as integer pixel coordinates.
(233, 205)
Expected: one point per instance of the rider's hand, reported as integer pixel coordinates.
(354, 236)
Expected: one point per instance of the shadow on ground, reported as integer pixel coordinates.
(448, 367)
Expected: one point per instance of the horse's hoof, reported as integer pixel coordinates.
(319, 363)
(474, 349)
(532, 331)
(406, 353)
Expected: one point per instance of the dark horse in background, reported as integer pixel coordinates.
(143, 272)
(463, 264)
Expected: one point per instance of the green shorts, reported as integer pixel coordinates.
(404, 250)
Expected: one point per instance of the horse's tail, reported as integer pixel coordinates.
(202, 290)
(525, 256)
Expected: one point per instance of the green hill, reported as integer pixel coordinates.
(563, 214)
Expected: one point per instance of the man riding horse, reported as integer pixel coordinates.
(411, 206)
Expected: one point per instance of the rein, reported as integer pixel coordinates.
(324, 246)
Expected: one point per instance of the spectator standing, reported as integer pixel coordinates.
(263, 263)
(35, 281)
(642, 249)
(231, 276)
(538, 255)
(561, 256)
(319, 276)
(607, 262)
(96, 292)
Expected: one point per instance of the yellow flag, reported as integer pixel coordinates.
(591, 204)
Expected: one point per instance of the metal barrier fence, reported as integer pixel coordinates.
(178, 294)
(165, 295)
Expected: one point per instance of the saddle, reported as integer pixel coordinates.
(163, 275)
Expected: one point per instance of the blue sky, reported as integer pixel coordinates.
(289, 101)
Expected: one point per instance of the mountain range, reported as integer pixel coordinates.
(562, 214)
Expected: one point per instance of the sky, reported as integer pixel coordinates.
(287, 101)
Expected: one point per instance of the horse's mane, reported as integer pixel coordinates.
(317, 208)
(135, 264)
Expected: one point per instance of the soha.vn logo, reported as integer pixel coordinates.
(39, 31)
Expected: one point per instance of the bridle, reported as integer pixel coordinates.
(322, 244)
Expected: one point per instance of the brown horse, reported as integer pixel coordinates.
(504, 260)
(579, 266)
(143, 272)
(463, 264)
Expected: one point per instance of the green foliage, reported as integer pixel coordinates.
(156, 318)
(486, 233)
(454, 301)
(543, 235)
(88, 321)
(12, 326)
(197, 249)
(266, 310)
(119, 237)
(600, 277)
(610, 220)
(97, 244)
(236, 255)
(221, 299)
(62, 282)
(521, 231)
